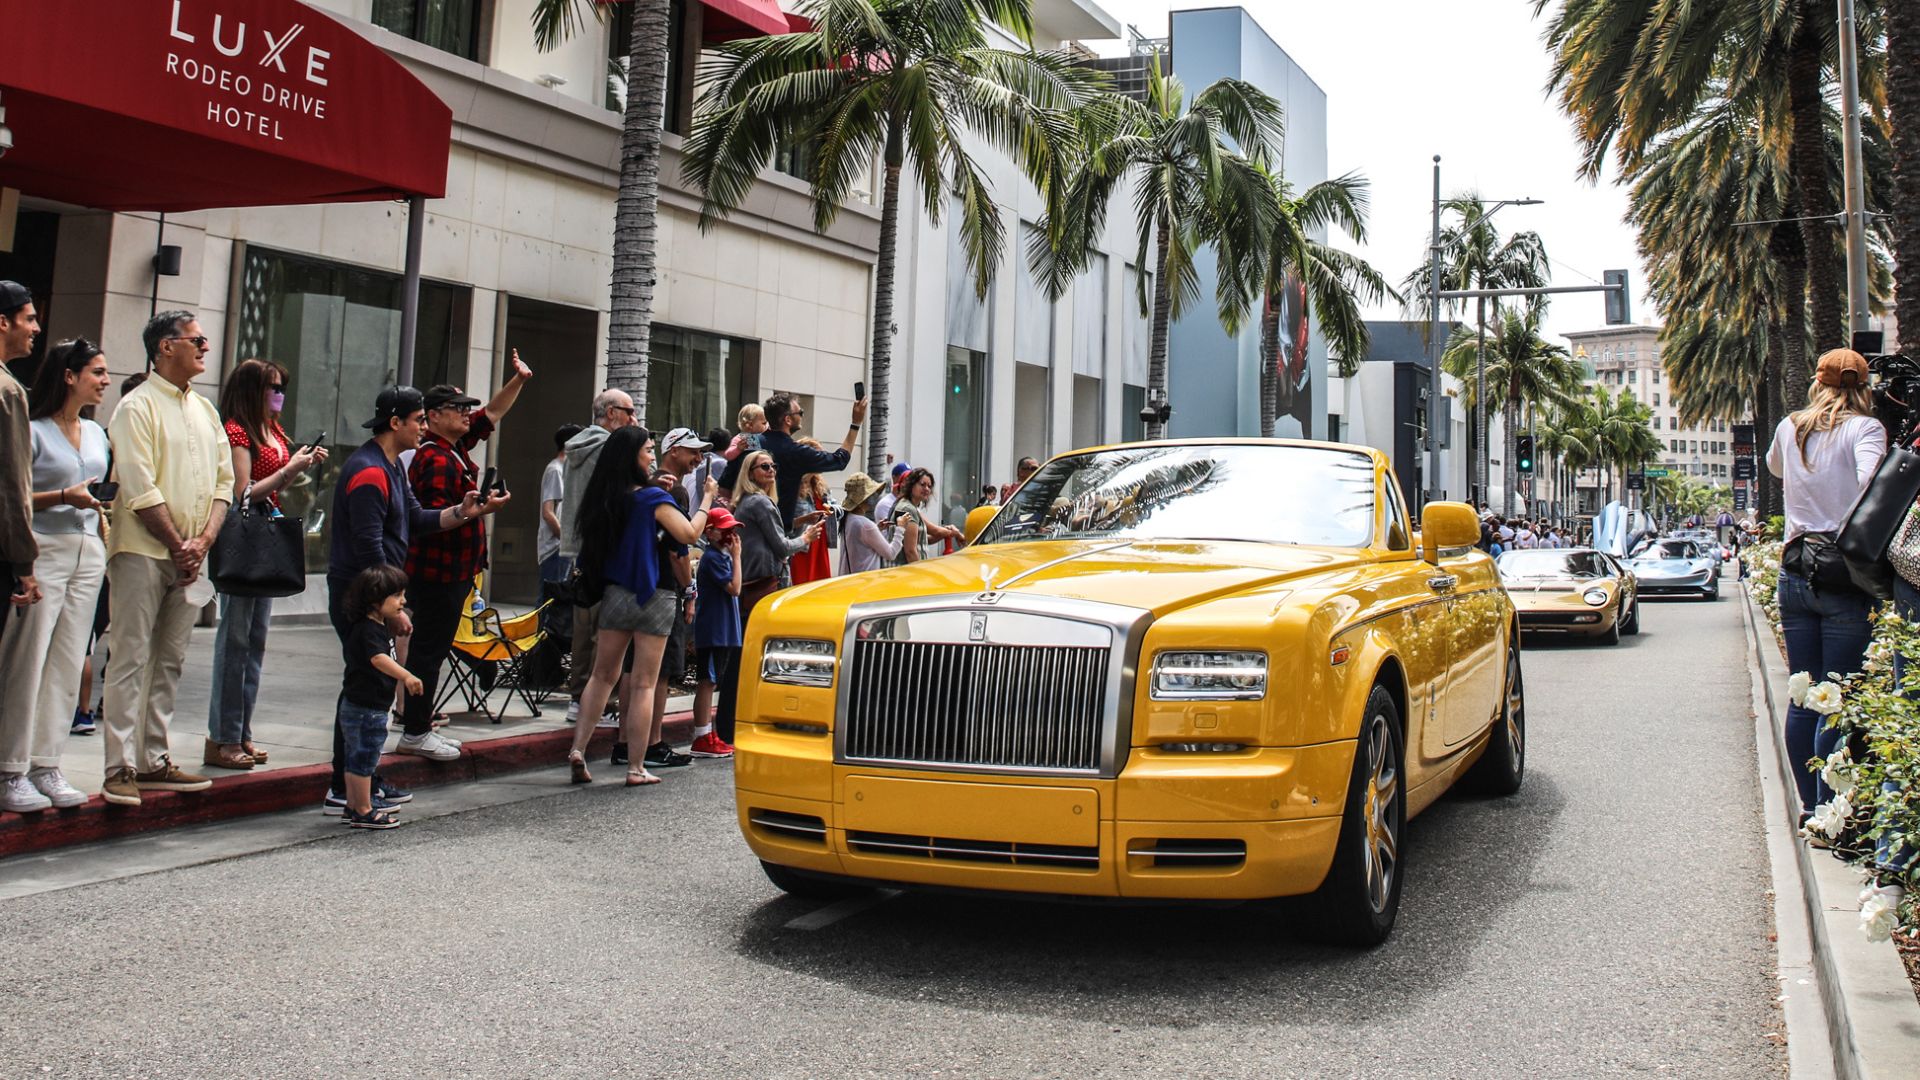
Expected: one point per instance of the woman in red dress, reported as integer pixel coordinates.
(816, 562)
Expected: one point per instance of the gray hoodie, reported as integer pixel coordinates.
(583, 451)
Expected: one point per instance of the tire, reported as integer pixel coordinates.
(800, 883)
(1633, 621)
(1358, 902)
(1612, 636)
(1502, 769)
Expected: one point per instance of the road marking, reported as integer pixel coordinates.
(840, 909)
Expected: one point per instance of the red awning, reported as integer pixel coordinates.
(726, 20)
(188, 104)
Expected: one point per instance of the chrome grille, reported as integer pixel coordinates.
(1040, 707)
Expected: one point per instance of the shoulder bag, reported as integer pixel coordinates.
(259, 554)
(1876, 518)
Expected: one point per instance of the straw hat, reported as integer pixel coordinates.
(860, 488)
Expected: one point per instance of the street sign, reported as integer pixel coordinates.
(1743, 468)
(1638, 481)
(1655, 470)
(1739, 498)
(1743, 438)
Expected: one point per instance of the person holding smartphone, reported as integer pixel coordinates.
(45, 651)
(265, 462)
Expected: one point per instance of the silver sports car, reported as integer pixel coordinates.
(1676, 568)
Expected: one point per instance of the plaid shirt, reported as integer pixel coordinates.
(441, 475)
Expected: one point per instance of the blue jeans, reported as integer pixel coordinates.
(1827, 632)
(239, 647)
(365, 732)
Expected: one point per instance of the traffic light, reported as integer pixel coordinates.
(1523, 453)
(1619, 297)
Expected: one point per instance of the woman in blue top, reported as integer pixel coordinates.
(625, 523)
(42, 653)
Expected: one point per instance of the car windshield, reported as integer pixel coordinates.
(1668, 549)
(1273, 494)
(1546, 564)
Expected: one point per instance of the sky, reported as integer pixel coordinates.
(1465, 79)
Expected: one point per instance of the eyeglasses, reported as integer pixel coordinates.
(278, 388)
(198, 342)
(767, 465)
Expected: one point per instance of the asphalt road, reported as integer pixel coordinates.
(1610, 920)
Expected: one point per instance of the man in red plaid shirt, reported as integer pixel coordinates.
(441, 565)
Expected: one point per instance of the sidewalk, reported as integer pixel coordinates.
(293, 722)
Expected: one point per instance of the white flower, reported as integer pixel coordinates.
(1823, 698)
(1842, 809)
(1880, 911)
(1825, 820)
(1891, 618)
(1839, 778)
(1798, 686)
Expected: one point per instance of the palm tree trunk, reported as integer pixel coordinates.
(1269, 365)
(1162, 310)
(880, 369)
(1507, 473)
(630, 324)
(1903, 103)
(1788, 249)
(1805, 92)
(1766, 417)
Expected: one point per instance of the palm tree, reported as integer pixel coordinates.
(912, 83)
(1191, 190)
(1333, 283)
(1473, 255)
(630, 322)
(1622, 430)
(1523, 371)
(1903, 201)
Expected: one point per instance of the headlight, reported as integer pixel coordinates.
(1210, 676)
(1596, 597)
(797, 661)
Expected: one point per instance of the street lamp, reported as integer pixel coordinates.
(1480, 373)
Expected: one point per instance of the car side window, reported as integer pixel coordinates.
(1399, 532)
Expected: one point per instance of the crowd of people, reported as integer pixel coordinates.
(652, 551)
(1499, 535)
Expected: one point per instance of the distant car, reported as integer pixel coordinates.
(1574, 591)
(1673, 567)
(1708, 542)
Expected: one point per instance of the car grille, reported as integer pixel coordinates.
(987, 851)
(985, 705)
(1559, 618)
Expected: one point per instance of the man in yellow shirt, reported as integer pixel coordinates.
(176, 480)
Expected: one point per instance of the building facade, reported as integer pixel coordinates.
(1627, 359)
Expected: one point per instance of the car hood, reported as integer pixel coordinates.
(1158, 575)
(1670, 567)
(1553, 584)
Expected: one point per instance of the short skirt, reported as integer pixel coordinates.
(621, 610)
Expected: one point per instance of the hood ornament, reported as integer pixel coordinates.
(987, 593)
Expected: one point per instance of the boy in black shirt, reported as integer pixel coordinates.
(374, 601)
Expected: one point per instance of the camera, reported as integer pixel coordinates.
(1896, 393)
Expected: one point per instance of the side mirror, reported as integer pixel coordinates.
(1447, 525)
(977, 519)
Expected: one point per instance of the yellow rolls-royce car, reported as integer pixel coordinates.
(1221, 670)
(1575, 591)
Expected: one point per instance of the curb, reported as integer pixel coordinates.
(1873, 1019)
(272, 790)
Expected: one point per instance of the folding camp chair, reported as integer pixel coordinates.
(487, 642)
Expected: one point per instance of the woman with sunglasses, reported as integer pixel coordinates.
(265, 462)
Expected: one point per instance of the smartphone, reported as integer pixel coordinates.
(860, 391)
(490, 481)
(103, 490)
(317, 441)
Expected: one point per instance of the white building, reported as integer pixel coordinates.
(1627, 358)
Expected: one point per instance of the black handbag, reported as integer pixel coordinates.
(1875, 519)
(259, 554)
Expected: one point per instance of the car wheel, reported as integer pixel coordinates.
(1612, 636)
(800, 883)
(1633, 620)
(1358, 902)
(1501, 769)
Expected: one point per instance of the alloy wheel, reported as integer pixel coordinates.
(1516, 710)
(1381, 853)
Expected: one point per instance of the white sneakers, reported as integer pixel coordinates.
(52, 784)
(17, 794)
(432, 745)
(573, 710)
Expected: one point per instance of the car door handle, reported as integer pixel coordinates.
(1442, 582)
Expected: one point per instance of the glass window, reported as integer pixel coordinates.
(337, 329)
(679, 109)
(963, 457)
(1399, 530)
(448, 25)
(1132, 400)
(698, 380)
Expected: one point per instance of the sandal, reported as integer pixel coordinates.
(640, 777)
(258, 755)
(578, 763)
(373, 819)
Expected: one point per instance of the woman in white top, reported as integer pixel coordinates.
(1824, 455)
(862, 547)
(42, 653)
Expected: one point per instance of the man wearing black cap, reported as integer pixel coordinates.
(441, 566)
(374, 517)
(18, 325)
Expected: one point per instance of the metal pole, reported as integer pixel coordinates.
(1480, 400)
(410, 287)
(1856, 199)
(1435, 484)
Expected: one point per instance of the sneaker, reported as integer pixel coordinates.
(121, 789)
(711, 745)
(53, 784)
(171, 777)
(573, 710)
(377, 819)
(662, 756)
(335, 805)
(82, 723)
(619, 755)
(430, 745)
(609, 719)
(19, 795)
(393, 795)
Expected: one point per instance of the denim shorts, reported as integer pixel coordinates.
(366, 734)
(715, 662)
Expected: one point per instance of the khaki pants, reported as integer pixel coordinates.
(152, 624)
(44, 650)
